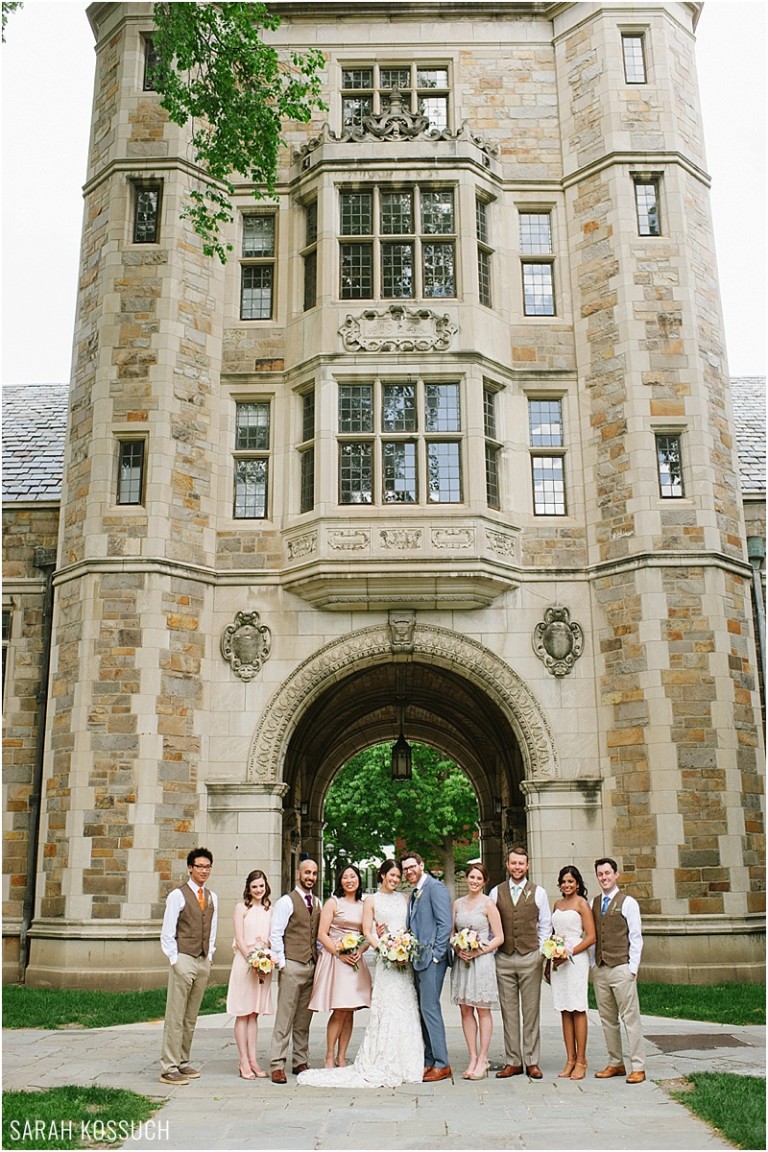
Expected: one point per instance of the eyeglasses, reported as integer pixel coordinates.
(411, 868)
(202, 867)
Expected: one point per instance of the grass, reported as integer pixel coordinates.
(718, 1003)
(80, 1008)
(73, 1117)
(734, 1105)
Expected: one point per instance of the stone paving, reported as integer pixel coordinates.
(220, 1111)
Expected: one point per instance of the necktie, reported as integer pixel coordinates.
(412, 900)
(606, 902)
(201, 898)
(516, 890)
(308, 899)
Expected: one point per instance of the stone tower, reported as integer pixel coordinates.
(446, 444)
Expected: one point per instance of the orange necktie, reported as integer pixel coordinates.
(201, 898)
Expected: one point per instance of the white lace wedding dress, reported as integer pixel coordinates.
(392, 1051)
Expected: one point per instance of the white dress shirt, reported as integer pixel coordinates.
(544, 921)
(173, 906)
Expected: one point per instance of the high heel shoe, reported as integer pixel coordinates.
(580, 1069)
(478, 1075)
(258, 1073)
(242, 1075)
(566, 1072)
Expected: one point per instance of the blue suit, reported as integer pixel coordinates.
(430, 920)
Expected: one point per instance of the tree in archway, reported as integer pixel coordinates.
(434, 813)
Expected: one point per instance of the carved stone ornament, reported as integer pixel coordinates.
(401, 625)
(246, 644)
(557, 642)
(397, 329)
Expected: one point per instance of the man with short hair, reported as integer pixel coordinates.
(430, 920)
(618, 948)
(526, 922)
(293, 943)
(188, 939)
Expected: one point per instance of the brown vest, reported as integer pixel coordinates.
(300, 936)
(612, 943)
(193, 929)
(519, 921)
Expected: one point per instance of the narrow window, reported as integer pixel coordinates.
(146, 213)
(257, 269)
(252, 447)
(647, 206)
(545, 424)
(538, 275)
(669, 461)
(307, 453)
(130, 471)
(633, 51)
(309, 256)
(483, 252)
(7, 618)
(492, 449)
(150, 63)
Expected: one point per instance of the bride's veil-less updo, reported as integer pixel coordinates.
(572, 870)
(386, 867)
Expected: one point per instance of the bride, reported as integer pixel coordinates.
(392, 1051)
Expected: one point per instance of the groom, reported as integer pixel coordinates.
(429, 918)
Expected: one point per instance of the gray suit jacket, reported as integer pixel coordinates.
(430, 920)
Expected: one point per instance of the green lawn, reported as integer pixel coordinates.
(734, 1105)
(68, 1007)
(720, 1003)
(74, 1117)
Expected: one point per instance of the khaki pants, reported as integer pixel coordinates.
(519, 980)
(293, 1017)
(616, 996)
(187, 980)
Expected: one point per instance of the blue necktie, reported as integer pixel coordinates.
(606, 902)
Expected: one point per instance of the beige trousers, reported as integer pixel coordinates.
(187, 981)
(519, 980)
(293, 1017)
(616, 996)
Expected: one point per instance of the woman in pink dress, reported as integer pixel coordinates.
(250, 993)
(342, 980)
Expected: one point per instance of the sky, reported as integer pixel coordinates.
(47, 66)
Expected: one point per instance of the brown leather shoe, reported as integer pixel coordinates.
(509, 1070)
(173, 1077)
(534, 1072)
(300, 1068)
(279, 1076)
(636, 1078)
(611, 1070)
(435, 1074)
(188, 1071)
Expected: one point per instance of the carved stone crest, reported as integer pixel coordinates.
(246, 644)
(557, 642)
(401, 626)
(397, 329)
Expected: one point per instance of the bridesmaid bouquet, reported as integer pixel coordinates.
(466, 940)
(398, 949)
(349, 943)
(260, 961)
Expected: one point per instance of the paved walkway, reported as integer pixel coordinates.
(220, 1111)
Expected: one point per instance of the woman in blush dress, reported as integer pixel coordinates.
(249, 994)
(573, 920)
(342, 980)
(392, 1051)
(473, 981)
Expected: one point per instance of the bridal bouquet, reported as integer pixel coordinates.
(466, 940)
(349, 943)
(398, 949)
(261, 961)
(554, 949)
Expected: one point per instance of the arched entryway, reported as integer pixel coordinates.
(452, 693)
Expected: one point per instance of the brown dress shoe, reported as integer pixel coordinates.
(279, 1076)
(611, 1070)
(188, 1071)
(300, 1068)
(509, 1070)
(435, 1074)
(428, 1068)
(534, 1072)
(173, 1077)
(636, 1078)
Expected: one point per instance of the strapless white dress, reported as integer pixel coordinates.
(569, 981)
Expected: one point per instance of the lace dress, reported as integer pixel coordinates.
(338, 985)
(474, 982)
(569, 981)
(392, 1051)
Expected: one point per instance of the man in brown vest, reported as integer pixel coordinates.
(188, 938)
(293, 943)
(618, 948)
(527, 922)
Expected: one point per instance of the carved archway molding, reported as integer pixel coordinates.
(437, 646)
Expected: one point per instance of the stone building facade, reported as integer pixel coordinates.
(446, 446)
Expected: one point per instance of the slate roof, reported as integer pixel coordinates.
(34, 430)
(748, 394)
(34, 420)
